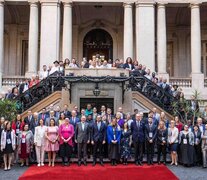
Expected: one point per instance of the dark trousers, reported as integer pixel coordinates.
(161, 149)
(198, 153)
(150, 152)
(82, 147)
(98, 146)
(138, 151)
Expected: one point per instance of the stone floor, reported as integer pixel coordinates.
(183, 173)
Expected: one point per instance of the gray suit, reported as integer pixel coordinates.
(82, 136)
(47, 121)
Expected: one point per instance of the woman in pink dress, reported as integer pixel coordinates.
(51, 145)
(66, 133)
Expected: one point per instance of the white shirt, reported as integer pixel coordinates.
(26, 87)
(54, 69)
(43, 74)
(72, 65)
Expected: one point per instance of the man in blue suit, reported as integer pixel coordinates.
(98, 139)
(138, 132)
(150, 135)
(74, 119)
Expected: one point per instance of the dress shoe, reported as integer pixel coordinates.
(101, 163)
(79, 163)
(140, 163)
(136, 163)
(112, 163)
(85, 163)
(115, 164)
(94, 163)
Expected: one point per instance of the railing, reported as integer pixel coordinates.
(152, 91)
(181, 82)
(12, 80)
(36, 93)
(136, 82)
(205, 82)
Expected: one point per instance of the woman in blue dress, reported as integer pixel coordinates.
(125, 144)
(113, 137)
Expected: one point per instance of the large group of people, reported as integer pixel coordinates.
(101, 134)
(59, 66)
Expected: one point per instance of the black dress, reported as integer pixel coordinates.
(8, 149)
(186, 150)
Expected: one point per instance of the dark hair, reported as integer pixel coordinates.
(5, 128)
(52, 119)
(129, 60)
(24, 126)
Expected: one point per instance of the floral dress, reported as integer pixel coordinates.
(125, 146)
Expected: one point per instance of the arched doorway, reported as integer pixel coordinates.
(98, 43)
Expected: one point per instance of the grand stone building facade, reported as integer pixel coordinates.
(168, 36)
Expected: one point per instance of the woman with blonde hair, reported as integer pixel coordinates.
(161, 141)
(164, 119)
(173, 141)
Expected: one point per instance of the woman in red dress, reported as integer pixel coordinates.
(25, 144)
(178, 124)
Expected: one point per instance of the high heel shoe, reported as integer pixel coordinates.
(172, 163)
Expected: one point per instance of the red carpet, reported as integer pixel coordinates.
(120, 172)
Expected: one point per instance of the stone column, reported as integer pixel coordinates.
(145, 33)
(49, 39)
(128, 31)
(1, 40)
(33, 39)
(197, 76)
(161, 39)
(195, 39)
(67, 30)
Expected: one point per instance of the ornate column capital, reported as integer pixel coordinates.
(145, 3)
(67, 2)
(2, 2)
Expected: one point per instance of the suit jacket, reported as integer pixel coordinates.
(197, 138)
(34, 124)
(28, 120)
(82, 136)
(39, 136)
(47, 122)
(165, 87)
(98, 135)
(57, 114)
(138, 133)
(67, 113)
(74, 123)
(126, 65)
(149, 130)
(3, 139)
(111, 133)
(43, 116)
(161, 136)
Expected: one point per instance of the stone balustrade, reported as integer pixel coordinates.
(181, 82)
(12, 80)
(97, 72)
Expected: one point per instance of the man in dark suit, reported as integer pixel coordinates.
(82, 138)
(28, 120)
(24, 86)
(43, 115)
(66, 111)
(34, 122)
(165, 86)
(98, 139)
(74, 119)
(57, 112)
(150, 135)
(138, 128)
(52, 115)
